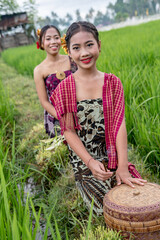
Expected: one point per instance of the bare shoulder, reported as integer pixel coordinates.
(39, 69)
(37, 73)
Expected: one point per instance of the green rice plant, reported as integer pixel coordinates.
(101, 233)
(89, 221)
(69, 210)
(46, 155)
(14, 210)
(29, 146)
(52, 157)
(7, 111)
(7, 115)
(29, 54)
(19, 218)
(131, 54)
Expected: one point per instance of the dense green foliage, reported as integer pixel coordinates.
(131, 54)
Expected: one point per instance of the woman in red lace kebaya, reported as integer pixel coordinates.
(90, 107)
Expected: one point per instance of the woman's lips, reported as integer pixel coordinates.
(54, 47)
(86, 60)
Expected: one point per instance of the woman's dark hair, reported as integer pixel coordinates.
(42, 33)
(81, 26)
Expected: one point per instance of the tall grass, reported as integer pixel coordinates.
(132, 55)
(24, 58)
(7, 110)
(18, 217)
(6, 121)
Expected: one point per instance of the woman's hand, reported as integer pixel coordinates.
(123, 175)
(98, 170)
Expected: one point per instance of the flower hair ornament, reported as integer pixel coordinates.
(64, 44)
(38, 34)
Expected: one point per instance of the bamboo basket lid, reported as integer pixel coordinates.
(134, 210)
(140, 196)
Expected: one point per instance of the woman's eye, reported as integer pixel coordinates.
(90, 44)
(75, 48)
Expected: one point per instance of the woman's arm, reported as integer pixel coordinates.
(95, 166)
(42, 94)
(122, 173)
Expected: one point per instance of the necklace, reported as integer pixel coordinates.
(60, 75)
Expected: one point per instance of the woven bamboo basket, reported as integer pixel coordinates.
(134, 211)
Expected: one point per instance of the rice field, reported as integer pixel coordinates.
(132, 54)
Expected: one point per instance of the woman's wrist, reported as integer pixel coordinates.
(123, 162)
(89, 161)
(123, 167)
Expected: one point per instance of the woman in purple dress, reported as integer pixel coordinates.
(50, 72)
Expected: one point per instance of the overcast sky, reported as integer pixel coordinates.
(62, 7)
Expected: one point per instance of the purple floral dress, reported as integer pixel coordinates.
(51, 82)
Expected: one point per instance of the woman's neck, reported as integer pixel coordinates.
(53, 58)
(89, 74)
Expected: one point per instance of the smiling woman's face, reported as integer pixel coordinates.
(84, 49)
(51, 41)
